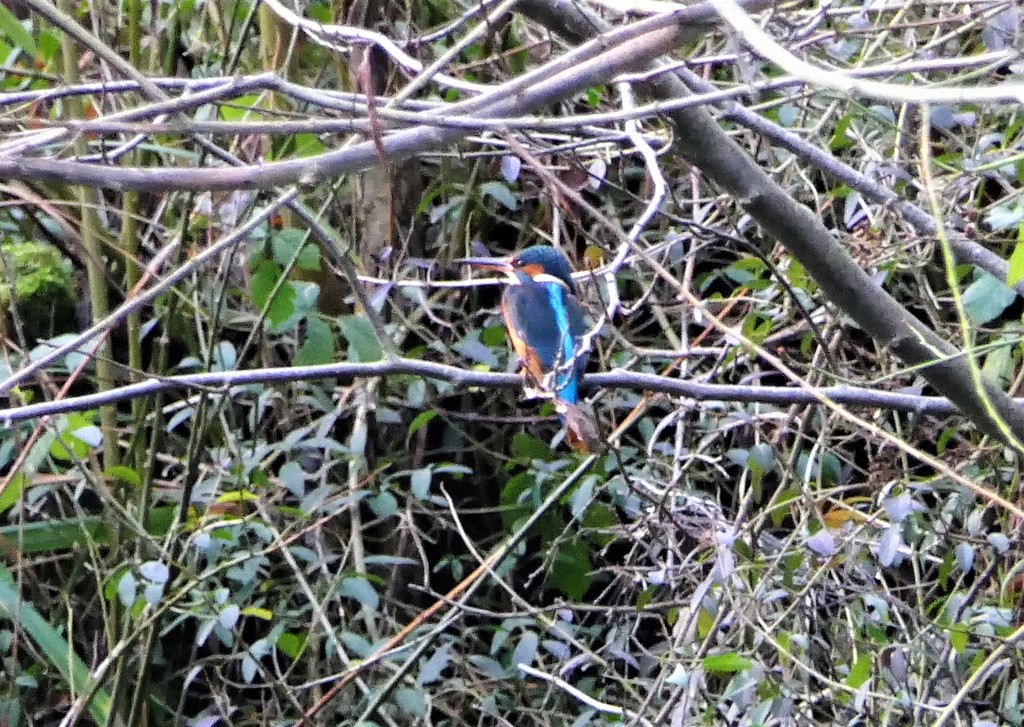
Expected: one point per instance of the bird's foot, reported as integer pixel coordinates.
(533, 392)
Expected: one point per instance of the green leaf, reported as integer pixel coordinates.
(490, 667)
(90, 434)
(958, 638)
(124, 474)
(645, 597)
(757, 327)
(293, 478)
(284, 243)
(726, 663)
(799, 278)
(240, 108)
(224, 356)
(500, 193)
(263, 283)
(526, 649)
(57, 650)
(600, 521)
(570, 570)
(53, 536)
(421, 420)
(945, 436)
(825, 466)
(48, 44)
(66, 446)
(363, 344)
(514, 498)
(1005, 217)
(320, 12)
(839, 140)
(431, 669)
(12, 492)
(256, 612)
(860, 672)
(998, 365)
(383, 504)
(986, 298)
(780, 509)
(761, 458)
(788, 114)
(318, 345)
(476, 351)
(493, 335)
(356, 643)
(705, 622)
(1016, 271)
(746, 270)
(11, 27)
(528, 448)
(309, 257)
(291, 644)
(113, 583)
(306, 144)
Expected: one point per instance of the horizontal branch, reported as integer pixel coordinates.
(225, 381)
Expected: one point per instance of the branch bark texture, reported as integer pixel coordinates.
(701, 141)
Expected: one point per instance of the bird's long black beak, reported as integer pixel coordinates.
(501, 264)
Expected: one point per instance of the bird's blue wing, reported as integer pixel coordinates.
(578, 328)
(551, 321)
(566, 376)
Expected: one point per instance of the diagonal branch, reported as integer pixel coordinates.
(701, 141)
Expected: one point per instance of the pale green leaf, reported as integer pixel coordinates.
(411, 700)
(362, 340)
(500, 193)
(318, 345)
(419, 483)
(359, 589)
(986, 298)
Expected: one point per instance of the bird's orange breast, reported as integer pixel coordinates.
(526, 353)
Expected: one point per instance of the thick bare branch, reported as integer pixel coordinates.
(223, 381)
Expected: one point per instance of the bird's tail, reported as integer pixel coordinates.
(581, 431)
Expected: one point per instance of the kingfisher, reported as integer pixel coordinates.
(547, 329)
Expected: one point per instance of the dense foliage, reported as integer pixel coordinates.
(206, 518)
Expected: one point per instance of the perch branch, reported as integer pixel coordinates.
(224, 381)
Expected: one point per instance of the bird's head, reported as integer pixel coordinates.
(539, 260)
